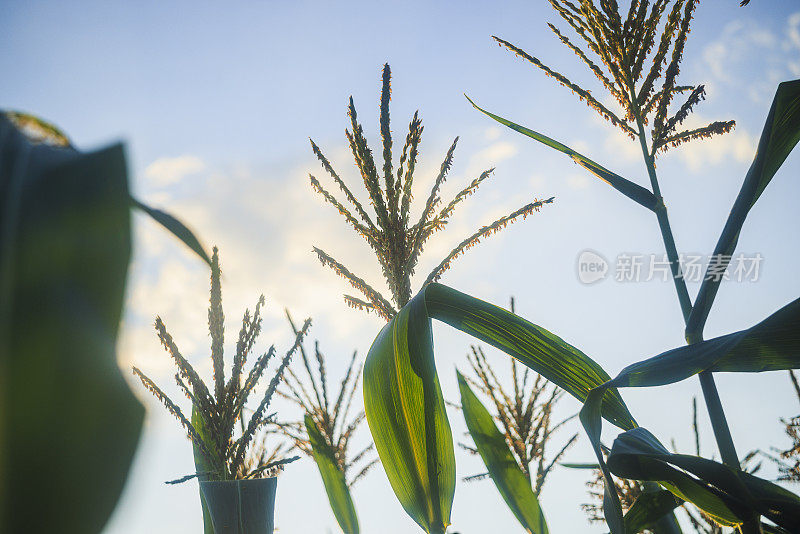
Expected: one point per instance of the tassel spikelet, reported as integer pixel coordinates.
(230, 457)
(379, 303)
(484, 232)
(715, 128)
(619, 51)
(396, 243)
(332, 420)
(524, 416)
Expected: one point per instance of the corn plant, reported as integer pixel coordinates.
(416, 452)
(220, 451)
(327, 429)
(395, 240)
(526, 427)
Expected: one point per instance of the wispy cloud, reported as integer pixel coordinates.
(756, 56)
(168, 171)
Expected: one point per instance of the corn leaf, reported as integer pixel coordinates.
(69, 424)
(406, 415)
(512, 484)
(773, 344)
(649, 508)
(403, 400)
(175, 227)
(730, 495)
(780, 135)
(333, 478)
(630, 189)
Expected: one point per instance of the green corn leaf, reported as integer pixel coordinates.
(771, 345)
(730, 495)
(630, 189)
(535, 347)
(403, 400)
(589, 466)
(779, 137)
(333, 478)
(649, 508)
(406, 415)
(175, 227)
(511, 482)
(69, 424)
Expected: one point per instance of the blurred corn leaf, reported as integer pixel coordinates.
(403, 400)
(333, 478)
(780, 135)
(65, 245)
(511, 482)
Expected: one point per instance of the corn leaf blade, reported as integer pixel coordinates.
(406, 415)
(780, 135)
(334, 480)
(404, 404)
(650, 507)
(512, 484)
(730, 495)
(630, 189)
(175, 227)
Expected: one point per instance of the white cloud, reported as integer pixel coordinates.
(491, 156)
(621, 147)
(793, 30)
(168, 171)
(492, 133)
(751, 55)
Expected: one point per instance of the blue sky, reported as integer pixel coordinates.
(216, 104)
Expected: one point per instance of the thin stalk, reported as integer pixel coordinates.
(716, 414)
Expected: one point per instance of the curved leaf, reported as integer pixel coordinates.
(649, 508)
(403, 400)
(779, 137)
(175, 227)
(773, 344)
(334, 480)
(630, 189)
(535, 347)
(730, 495)
(511, 482)
(406, 415)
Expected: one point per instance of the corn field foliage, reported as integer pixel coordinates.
(636, 56)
